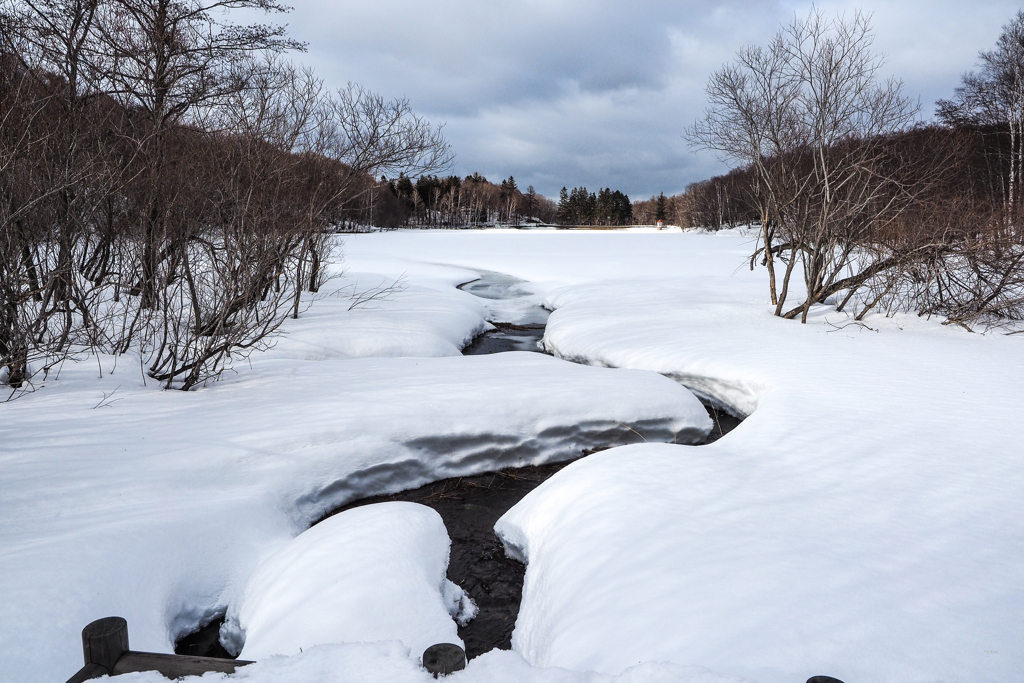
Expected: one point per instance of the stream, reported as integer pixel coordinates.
(470, 506)
(518, 320)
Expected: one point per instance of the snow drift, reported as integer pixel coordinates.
(372, 573)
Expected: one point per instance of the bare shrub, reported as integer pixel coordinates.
(169, 185)
(814, 125)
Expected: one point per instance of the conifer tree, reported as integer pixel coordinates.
(564, 213)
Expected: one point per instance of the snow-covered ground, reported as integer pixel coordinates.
(866, 521)
(387, 560)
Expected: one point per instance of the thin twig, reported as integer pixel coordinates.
(630, 429)
(106, 400)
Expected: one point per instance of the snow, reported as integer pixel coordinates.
(866, 521)
(423, 316)
(158, 506)
(372, 573)
(390, 661)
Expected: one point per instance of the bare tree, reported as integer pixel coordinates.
(169, 59)
(361, 134)
(169, 185)
(993, 98)
(52, 171)
(810, 116)
(23, 105)
(375, 135)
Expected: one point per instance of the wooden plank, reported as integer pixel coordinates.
(89, 672)
(174, 666)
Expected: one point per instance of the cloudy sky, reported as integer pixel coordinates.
(598, 93)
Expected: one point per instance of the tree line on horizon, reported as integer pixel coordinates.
(605, 207)
(653, 211)
(432, 201)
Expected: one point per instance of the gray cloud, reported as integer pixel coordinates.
(559, 92)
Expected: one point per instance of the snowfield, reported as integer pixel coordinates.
(866, 521)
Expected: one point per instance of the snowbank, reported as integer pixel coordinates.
(391, 662)
(396, 316)
(158, 506)
(373, 573)
(865, 521)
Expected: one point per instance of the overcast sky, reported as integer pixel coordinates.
(598, 94)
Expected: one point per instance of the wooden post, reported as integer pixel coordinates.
(104, 641)
(444, 658)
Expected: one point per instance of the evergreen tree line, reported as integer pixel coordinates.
(168, 183)
(453, 202)
(660, 208)
(606, 207)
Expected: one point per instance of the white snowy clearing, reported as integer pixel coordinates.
(866, 521)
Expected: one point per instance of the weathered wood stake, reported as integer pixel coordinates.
(104, 641)
(443, 659)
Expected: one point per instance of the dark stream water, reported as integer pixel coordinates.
(507, 337)
(470, 506)
(518, 319)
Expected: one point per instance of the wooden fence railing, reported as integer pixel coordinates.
(105, 646)
(106, 651)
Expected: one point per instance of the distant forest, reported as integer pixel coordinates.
(605, 207)
(978, 180)
(454, 202)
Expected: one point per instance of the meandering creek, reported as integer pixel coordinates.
(470, 506)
